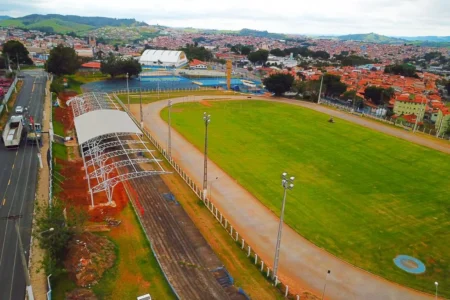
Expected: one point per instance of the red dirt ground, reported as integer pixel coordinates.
(75, 192)
(64, 96)
(65, 116)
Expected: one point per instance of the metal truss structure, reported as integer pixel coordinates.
(115, 157)
(87, 102)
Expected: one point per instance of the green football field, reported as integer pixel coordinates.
(360, 194)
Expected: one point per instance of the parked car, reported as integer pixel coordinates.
(19, 109)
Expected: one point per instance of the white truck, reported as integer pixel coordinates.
(12, 133)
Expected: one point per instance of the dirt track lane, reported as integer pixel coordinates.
(302, 264)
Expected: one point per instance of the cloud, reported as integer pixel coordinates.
(399, 17)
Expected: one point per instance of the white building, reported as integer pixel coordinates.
(163, 58)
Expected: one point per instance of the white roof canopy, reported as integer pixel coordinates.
(101, 122)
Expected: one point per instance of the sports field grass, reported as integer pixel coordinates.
(362, 195)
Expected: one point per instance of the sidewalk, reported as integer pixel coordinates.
(38, 278)
(302, 264)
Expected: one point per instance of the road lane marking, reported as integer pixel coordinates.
(9, 181)
(13, 167)
(4, 201)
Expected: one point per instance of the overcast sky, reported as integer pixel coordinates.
(388, 17)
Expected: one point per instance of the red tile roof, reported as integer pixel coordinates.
(91, 65)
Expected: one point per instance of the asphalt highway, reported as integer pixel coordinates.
(18, 178)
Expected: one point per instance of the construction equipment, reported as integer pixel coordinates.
(12, 134)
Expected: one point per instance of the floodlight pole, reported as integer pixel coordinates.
(436, 295)
(29, 288)
(128, 95)
(206, 119)
(325, 285)
(140, 102)
(169, 146)
(287, 184)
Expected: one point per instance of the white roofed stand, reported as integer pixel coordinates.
(110, 144)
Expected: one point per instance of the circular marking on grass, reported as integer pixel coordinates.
(409, 264)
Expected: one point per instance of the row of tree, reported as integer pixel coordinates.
(332, 86)
(116, 65)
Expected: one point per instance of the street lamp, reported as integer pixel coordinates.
(169, 146)
(128, 94)
(206, 119)
(287, 184)
(436, 284)
(48, 230)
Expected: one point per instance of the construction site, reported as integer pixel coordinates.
(111, 164)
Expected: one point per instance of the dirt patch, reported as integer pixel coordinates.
(205, 103)
(89, 256)
(74, 191)
(65, 117)
(81, 294)
(65, 96)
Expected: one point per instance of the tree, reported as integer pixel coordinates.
(16, 52)
(200, 53)
(258, 56)
(378, 95)
(62, 61)
(115, 66)
(406, 70)
(277, 52)
(249, 69)
(245, 50)
(55, 242)
(279, 83)
(332, 85)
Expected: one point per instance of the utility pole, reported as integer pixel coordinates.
(17, 58)
(320, 89)
(140, 102)
(287, 184)
(169, 146)
(206, 119)
(128, 95)
(29, 288)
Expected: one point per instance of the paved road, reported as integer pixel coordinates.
(302, 264)
(18, 171)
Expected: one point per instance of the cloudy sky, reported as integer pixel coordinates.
(388, 17)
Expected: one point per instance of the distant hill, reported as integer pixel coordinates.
(64, 24)
(437, 39)
(4, 17)
(257, 33)
(371, 38)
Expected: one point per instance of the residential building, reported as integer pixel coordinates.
(410, 104)
(443, 120)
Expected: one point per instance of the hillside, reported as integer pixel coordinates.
(371, 38)
(437, 39)
(70, 23)
(257, 33)
(4, 17)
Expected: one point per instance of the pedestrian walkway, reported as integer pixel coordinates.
(38, 277)
(302, 264)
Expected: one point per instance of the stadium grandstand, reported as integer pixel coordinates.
(163, 59)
